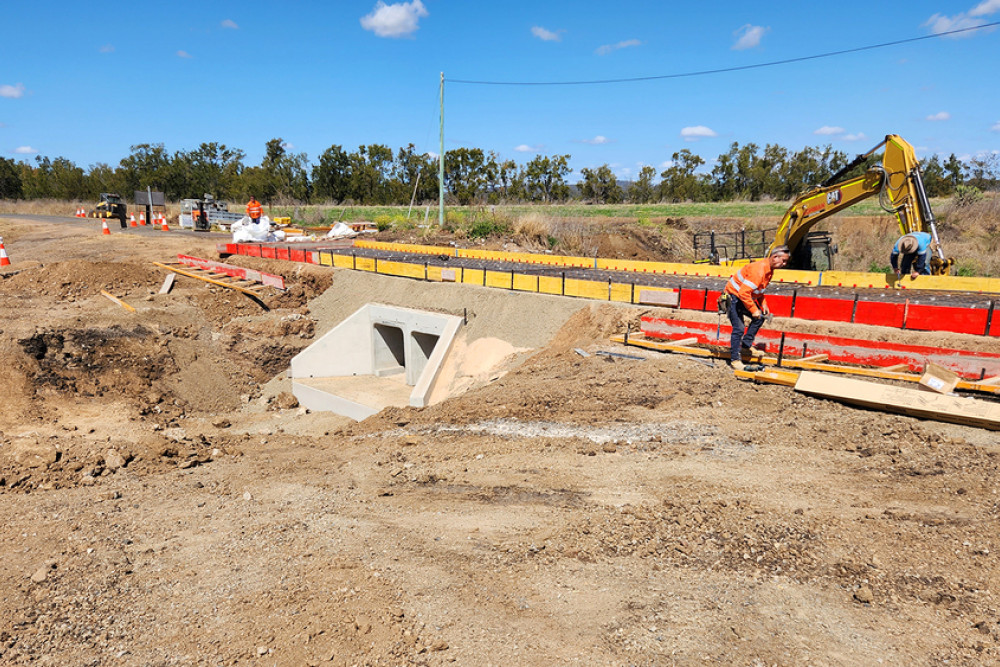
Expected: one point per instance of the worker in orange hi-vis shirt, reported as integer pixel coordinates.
(254, 210)
(746, 299)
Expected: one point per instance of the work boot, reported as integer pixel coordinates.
(737, 365)
(750, 353)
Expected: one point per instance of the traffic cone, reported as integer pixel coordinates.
(142, 219)
(163, 223)
(104, 228)
(4, 259)
(131, 220)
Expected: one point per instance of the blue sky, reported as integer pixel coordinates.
(88, 80)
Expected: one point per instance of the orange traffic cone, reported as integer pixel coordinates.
(4, 259)
(104, 228)
(163, 223)
(142, 219)
(131, 220)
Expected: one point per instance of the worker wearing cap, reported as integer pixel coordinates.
(254, 210)
(915, 248)
(746, 299)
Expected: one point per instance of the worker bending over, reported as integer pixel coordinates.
(915, 248)
(745, 292)
(254, 210)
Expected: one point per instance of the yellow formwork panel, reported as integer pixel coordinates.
(793, 276)
(434, 273)
(549, 285)
(621, 292)
(501, 279)
(856, 279)
(668, 268)
(402, 269)
(325, 259)
(343, 262)
(587, 289)
(364, 263)
(470, 276)
(525, 283)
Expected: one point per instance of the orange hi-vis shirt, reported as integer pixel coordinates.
(254, 209)
(749, 282)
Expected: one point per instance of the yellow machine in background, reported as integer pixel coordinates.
(896, 181)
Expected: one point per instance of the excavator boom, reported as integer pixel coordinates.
(896, 181)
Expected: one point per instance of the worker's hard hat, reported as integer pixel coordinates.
(908, 245)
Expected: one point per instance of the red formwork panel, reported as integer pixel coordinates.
(253, 250)
(779, 305)
(995, 322)
(879, 314)
(296, 255)
(281, 253)
(946, 318)
(829, 310)
(267, 252)
(712, 303)
(691, 299)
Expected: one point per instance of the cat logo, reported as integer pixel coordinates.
(833, 197)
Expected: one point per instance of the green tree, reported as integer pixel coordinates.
(955, 170)
(465, 175)
(369, 174)
(414, 176)
(147, 165)
(680, 182)
(600, 185)
(332, 176)
(10, 180)
(936, 181)
(545, 178)
(212, 168)
(642, 190)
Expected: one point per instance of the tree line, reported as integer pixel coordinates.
(377, 175)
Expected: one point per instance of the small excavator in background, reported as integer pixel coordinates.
(900, 189)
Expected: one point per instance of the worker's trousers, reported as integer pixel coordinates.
(741, 337)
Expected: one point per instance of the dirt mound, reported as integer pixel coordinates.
(78, 278)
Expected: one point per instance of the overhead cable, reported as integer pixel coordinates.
(727, 69)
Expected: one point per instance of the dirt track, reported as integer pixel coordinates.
(164, 503)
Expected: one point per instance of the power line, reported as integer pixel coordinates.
(726, 69)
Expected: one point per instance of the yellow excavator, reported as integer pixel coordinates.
(900, 189)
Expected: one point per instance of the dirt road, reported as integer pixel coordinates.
(164, 502)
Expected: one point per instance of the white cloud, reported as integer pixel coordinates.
(596, 141)
(749, 36)
(25, 150)
(976, 16)
(525, 148)
(854, 137)
(288, 146)
(666, 164)
(996, 127)
(13, 92)
(229, 23)
(985, 8)
(608, 48)
(546, 35)
(696, 132)
(398, 20)
(940, 115)
(107, 48)
(184, 54)
(827, 130)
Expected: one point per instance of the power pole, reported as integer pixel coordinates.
(441, 162)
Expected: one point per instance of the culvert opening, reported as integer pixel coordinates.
(378, 357)
(390, 354)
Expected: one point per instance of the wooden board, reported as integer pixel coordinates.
(912, 402)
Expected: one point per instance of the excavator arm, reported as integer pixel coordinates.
(896, 181)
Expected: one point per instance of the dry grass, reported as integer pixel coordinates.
(533, 229)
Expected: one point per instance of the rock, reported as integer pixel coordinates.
(439, 645)
(222, 423)
(261, 650)
(610, 447)
(42, 573)
(30, 453)
(113, 460)
(285, 401)
(247, 496)
(88, 480)
(863, 595)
